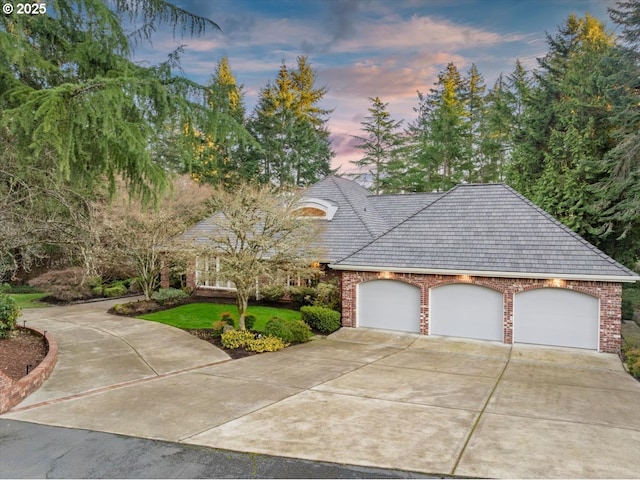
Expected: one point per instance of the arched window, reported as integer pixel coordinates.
(316, 208)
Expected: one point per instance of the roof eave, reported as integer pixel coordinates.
(488, 273)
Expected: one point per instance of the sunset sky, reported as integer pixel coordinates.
(368, 48)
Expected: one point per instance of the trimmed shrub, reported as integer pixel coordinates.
(217, 328)
(301, 296)
(321, 319)
(227, 317)
(132, 309)
(288, 331)
(168, 296)
(249, 321)
(236, 338)
(63, 285)
(265, 344)
(116, 290)
(272, 293)
(327, 295)
(9, 313)
(632, 359)
(97, 291)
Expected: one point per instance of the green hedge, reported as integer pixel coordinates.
(321, 319)
(288, 331)
(168, 296)
(9, 313)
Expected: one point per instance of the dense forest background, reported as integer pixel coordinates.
(82, 124)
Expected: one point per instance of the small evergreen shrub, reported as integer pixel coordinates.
(301, 296)
(327, 295)
(321, 319)
(228, 318)
(9, 313)
(249, 321)
(288, 331)
(116, 290)
(218, 328)
(265, 344)
(168, 296)
(236, 338)
(272, 293)
(632, 359)
(97, 291)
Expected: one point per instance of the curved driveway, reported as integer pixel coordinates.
(361, 397)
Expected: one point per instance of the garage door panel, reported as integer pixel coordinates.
(555, 316)
(389, 304)
(465, 310)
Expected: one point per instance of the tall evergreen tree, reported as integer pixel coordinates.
(439, 154)
(76, 112)
(291, 129)
(620, 187)
(222, 135)
(495, 134)
(569, 130)
(379, 145)
(75, 102)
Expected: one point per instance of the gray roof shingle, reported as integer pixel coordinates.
(355, 223)
(484, 228)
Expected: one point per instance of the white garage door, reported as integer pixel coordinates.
(463, 310)
(389, 304)
(555, 316)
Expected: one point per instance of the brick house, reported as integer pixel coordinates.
(477, 261)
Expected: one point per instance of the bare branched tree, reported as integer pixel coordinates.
(256, 235)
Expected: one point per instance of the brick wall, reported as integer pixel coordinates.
(609, 294)
(13, 392)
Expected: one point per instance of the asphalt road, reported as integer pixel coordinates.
(29, 450)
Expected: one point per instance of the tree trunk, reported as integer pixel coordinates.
(243, 302)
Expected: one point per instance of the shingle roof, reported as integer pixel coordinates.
(488, 228)
(355, 223)
(398, 207)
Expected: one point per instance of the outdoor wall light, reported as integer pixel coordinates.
(386, 275)
(557, 282)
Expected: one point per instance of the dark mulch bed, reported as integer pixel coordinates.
(23, 350)
(207, 335)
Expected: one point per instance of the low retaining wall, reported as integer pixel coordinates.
(13, 392)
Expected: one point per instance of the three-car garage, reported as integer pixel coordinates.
(541, 316)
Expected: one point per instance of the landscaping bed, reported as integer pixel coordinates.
(22, 349)
(207, 335)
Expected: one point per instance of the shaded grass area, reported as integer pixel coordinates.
(202, 315)
(29, 300)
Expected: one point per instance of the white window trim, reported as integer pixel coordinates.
(208, 282)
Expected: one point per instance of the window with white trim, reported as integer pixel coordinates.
(208, 274)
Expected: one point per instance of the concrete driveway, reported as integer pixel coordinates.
(362, 397)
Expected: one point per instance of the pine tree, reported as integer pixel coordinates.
(291, 129)
(439, 155)
(222, 135)
(379, 145)
(75, 102)
(620, 187)
(569, 130)
(77, 113)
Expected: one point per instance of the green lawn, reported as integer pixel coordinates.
(202, 315)
(26, 300)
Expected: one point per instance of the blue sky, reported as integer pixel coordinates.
(368, 48)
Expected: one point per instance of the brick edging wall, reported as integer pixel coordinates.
(13, 392)
(609, 295)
